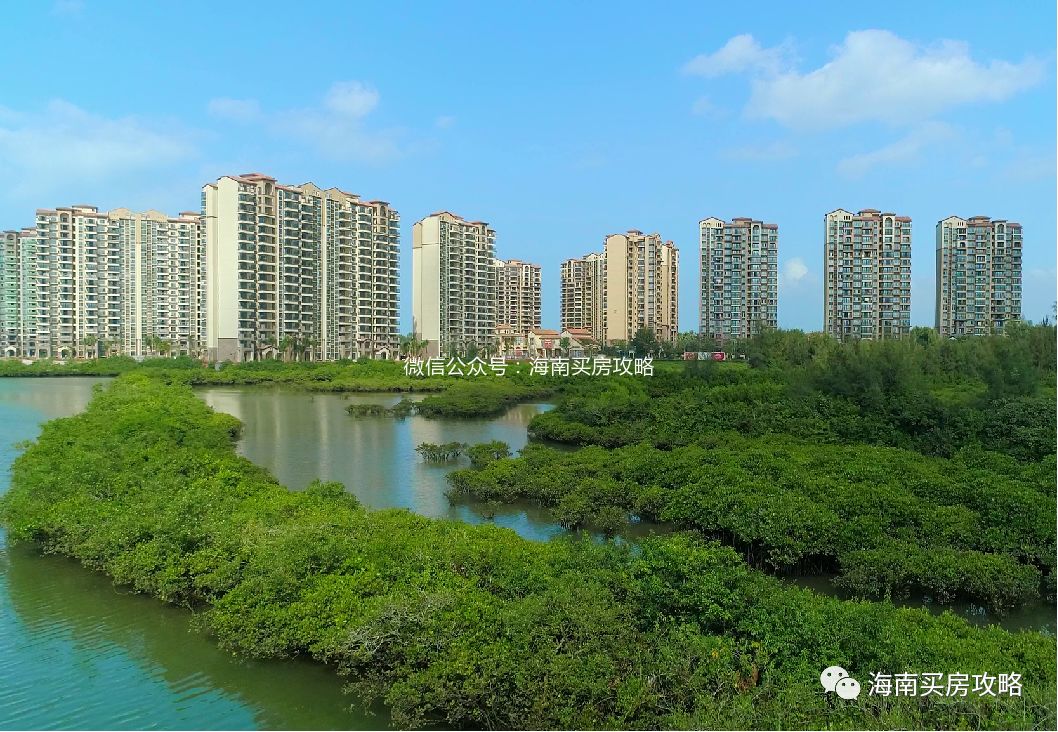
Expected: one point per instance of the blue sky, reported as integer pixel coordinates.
(556, 123)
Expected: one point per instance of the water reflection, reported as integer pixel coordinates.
(299, 436)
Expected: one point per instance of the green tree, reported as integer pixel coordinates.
(644, 342)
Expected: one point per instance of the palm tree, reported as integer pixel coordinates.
(411, 346)
(88, 341)
(563, 344)
(286, 346)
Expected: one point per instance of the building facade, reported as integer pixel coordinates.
(454, 291)
(298, 272)
(10, 296)
(90, 283)
(18, 290)
(978, 275)
(867, 287)
(583, 294)
(163, 283)
(517, 295)
(642, 286)
(738, 277)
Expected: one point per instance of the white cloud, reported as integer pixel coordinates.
(336, 126)
(878, 76)
(905, 150)
(239, 110)
(794, 270)
(739, 54)
(873, 75)
(796, 277)
(762, 153)
(445, 121)
(65, 144)
(351, 99)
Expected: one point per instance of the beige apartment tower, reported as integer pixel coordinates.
(631, 285)
(583, 295)
(94, 283)
(454, 291)
(298, 271)
(978, 275)
(738, 277)
(867, 290)
(517, 295)
(642, 286)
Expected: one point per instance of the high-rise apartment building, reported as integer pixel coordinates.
(298, 271)
(18, 292)
(642, 286)
(454, 295)
(867, 290)
(517, 295)
(163, 300)
(90, 282)
(738, 277)
(978, 275)
(9, 293)
(583, 294)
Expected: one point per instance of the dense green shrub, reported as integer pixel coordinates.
(921, 393)
(893, 521)
(471, 626)
(482, 397)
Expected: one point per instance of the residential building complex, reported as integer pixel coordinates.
(517, 295)
(583, 294)
(267, 270)
(867, 286)
(631, 285)
(738, 277)
(978, 275)
(92, 282)
(454, 292)
(298, 271)
(642, 286)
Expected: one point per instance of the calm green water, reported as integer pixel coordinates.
(300, 436)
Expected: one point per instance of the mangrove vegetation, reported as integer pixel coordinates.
(473, 627)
